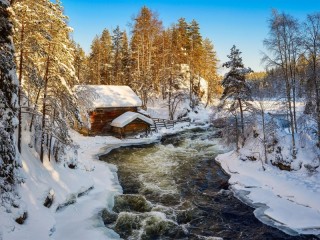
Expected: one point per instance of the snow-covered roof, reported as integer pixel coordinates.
(128, 117)
(110, 96)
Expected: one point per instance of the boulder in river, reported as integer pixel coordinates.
(108, 217)
(131, 203)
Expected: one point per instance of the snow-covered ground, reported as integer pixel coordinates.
(288, 200)
(76, 221)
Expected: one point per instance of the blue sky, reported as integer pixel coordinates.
(240, 22)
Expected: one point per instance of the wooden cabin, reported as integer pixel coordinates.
(131, 123)
(108, 102)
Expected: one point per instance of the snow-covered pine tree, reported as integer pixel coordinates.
(234, 83)
(25, 22)
(58, 103)
(49, 73)
(9, 158)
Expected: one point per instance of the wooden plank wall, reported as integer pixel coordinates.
(101, 119)
(136, 126)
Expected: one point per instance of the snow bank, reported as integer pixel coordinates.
(286, 200)
(89, 187)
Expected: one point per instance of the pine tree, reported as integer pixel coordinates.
(125, 61)
(172, 74)
(106, 58)
(234, 83)
(27, 18)
(9, 158)
(209, 70)
(117, 39)
(95, 62)
(48, 73)
(182, 41)
(80, 63)
(195, 54)
(166, 61)
(146, 30)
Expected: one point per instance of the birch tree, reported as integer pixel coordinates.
(312, 46)
(284, 46)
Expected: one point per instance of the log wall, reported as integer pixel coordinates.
(136, 126)
(101, 119)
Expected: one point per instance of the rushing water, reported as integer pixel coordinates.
(175, 190)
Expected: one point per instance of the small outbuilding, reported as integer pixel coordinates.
(108, 103)
(130, 123)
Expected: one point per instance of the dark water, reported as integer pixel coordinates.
(175, 190)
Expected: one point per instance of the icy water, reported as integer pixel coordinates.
(175, 190)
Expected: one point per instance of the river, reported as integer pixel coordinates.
(175, 190)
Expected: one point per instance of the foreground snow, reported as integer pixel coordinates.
(75, 221)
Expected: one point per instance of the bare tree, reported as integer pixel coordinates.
(312, 46)
(284, 46)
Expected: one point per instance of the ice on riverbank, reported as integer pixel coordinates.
(287, 200)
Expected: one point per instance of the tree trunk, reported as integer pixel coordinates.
(19, 89)
(50, 141)
(264, 135)
(34, 109)
(44, 107)
(237, 132)
(317, 91)
(170, 98)
(242, 123)
(191, 91)
(294, 98)
(291, 119)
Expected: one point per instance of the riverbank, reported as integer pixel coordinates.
(286, 200)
